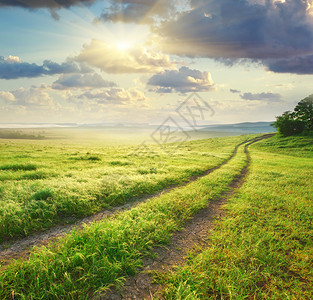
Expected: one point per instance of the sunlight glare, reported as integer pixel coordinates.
(124, 45)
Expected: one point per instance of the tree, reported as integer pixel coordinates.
(287, 125)
(290, 123)
(304, 112)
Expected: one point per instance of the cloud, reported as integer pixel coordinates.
(44, 4)
(234, 91)
(114, 96)
(296, 65)
(52, 68)
(81, 81)
(15, 69)
(12, 67)
(111, 59)
(183, 80)
(34, 96)
(277, 33)
(7, 96)
(138, 11)
(143, 11)
(261, 96)
(12, 59)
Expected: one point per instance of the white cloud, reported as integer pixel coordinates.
(34, 96)
(12, 59)
(81, 81)
(111, 59)
(7, 96)
(114, 96)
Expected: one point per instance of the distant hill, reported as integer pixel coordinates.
(240, 128)
(126, 133)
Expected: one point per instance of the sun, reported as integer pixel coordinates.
(124, 45)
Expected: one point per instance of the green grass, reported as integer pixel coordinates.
(18, 167)
(43, 194)
(263, 248)
(104, 253)
(87, 178)
(294, 146)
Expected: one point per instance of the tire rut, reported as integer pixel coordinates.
(21, 248)
(190, 239)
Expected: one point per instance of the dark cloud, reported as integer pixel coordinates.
(234, 91)
(183, 80)
(51, 68)
(12, 68)
(44, 3)
(162, 90)
(297, 65)
(72, 81)
(261, 96)
(277, 33)
(51, 5)
(138, 11)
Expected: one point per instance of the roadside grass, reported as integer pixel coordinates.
(85, 180)
(89, 261)
(263, 248)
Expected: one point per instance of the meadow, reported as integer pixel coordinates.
(46, 182)
(261, 249)
(91, 260)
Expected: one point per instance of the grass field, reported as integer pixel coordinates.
(104, 253)
(46, 182)
(263, 248)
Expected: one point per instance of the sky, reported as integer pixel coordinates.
(136, 61)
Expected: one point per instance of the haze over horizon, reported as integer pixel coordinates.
(111, 61)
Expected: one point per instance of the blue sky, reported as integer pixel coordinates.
(136, 61)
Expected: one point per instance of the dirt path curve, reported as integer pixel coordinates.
(192, 237)
(21, 248)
